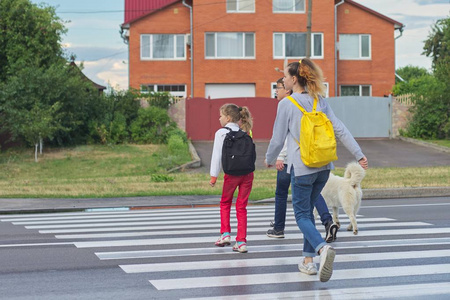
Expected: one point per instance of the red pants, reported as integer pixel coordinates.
(230, 183)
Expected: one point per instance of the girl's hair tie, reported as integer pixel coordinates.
(240, 108)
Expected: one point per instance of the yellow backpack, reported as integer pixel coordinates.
(317, 141)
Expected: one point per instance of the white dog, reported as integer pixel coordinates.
(345, 191)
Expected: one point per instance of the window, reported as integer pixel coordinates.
(356, 90)
(230, 45)
(289, 6)
(245, 6)
(354, 46)
(293, 45)
(174, 90)
(163, 46)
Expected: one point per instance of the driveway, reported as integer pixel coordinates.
(380, 153)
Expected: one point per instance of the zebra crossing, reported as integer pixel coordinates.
(173, 250)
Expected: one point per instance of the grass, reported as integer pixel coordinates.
(445, 143)
(140, 170)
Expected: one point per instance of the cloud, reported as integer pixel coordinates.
(428, 2)
(89, 53)
(107, 72)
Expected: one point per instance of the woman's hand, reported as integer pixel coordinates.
(364, 163)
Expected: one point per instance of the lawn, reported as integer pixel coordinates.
(140, 170)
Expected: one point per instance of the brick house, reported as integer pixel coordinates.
(236, 48)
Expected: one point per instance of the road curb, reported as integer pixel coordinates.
(153, 202)
(426, 144)
(379, 194)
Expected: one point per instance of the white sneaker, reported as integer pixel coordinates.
(309, 268)
(242, 248)
(224, 240)
(326, 263)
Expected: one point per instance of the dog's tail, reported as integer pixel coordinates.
(354, 173)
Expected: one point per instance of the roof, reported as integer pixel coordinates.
(97, 86)
(371, 11)
(137, 9)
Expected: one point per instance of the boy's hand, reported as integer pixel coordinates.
(212, 181)
(279, 165)
(267, 165)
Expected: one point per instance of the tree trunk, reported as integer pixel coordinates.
(41, 144)
(36, 152)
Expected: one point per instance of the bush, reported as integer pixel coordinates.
(177, 146)
(161, 100)
(152, 125)
(430, 115)
(180, 133)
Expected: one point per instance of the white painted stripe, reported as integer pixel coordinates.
(196, 240)
(34, 245)
(378, 292)
(184, 231)
(274, 278)
(137, 211)
(214, 216)
(187, 252)
(171, 222)
(276, 261)
(250, 223)
(142, 214)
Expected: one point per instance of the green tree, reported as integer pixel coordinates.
(437, 45)
(30, 35)
(431, 112)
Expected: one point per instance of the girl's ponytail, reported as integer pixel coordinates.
(309, 76)
(246, 119)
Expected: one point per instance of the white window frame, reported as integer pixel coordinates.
(273, 88)
(150, 57)
(327, 91)
(231, 57)
(284, 45)
(359, 47)
(275, 11)
(360, 89)
(181, 94)
(237, 10)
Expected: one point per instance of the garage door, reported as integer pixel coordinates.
(229, 90)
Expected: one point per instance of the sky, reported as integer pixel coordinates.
(94, 25)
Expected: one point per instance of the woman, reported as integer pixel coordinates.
(305, 79)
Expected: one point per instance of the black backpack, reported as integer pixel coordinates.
(238, 153)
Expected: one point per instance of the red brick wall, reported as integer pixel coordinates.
(212, 17)
(173, 19)
(380, 70)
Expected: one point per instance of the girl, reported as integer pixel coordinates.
(230, 116)
(305, 79)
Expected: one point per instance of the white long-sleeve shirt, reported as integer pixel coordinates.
(216, 157)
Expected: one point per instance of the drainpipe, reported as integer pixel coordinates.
(192, 47)
(336, 50)
(395, 57)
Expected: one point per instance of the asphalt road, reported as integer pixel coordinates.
(402, 250)
(380, 153)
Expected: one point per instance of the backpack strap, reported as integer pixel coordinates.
(301, 108)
